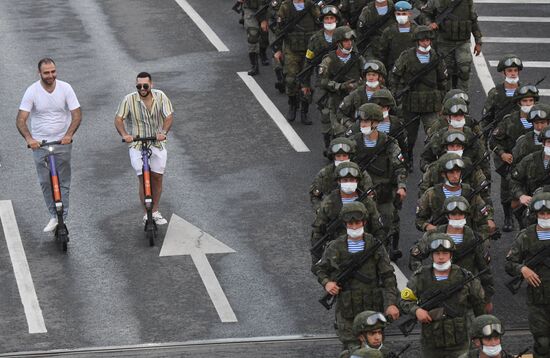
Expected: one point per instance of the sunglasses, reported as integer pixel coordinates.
(145, 86)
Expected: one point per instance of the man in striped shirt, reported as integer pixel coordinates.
(150, 114)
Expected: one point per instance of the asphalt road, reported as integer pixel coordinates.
(230, 172)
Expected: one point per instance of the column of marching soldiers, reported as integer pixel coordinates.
(378, 74)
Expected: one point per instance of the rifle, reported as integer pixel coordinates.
(437, 299)
(315, 61)
(468, 250)
(237, 7)
(440, 18)
(401, 352)
(542, 255)
(288, 27)
(335, 224)
(348, 271)
(424, 71)
(475, 164)
(260, 11)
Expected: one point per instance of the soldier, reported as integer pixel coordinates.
(425, 95)
(368, 327)
(295, 47)
(373, 74)
(430, 209)
(351, 9)
(397, 37)
(454, 33)
(457, 209)
(254, 28)
(532, 241)
(502, 142)
(340, 71)
(271, 16)
(486, 336)
(320, 43)
(375, 17)
(380, 155)
(373, 287)
(443, 335)
(340, 150)
(528, 143)
(499, 101)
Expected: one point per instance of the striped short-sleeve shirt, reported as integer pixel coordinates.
(145, 123)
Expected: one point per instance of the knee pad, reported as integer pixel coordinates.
(464, 72)
(253, 35)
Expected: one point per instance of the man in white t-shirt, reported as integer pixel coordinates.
(55, 115)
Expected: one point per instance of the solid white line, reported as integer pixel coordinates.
(281, 122)
(512, 2)
(533, 64)
(544, 92)
(519, 40)
(213, 288)
(21, 270)
(512, 19)
(482, 70)
(401, 278)
(207, 31)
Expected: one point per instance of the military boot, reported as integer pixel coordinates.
(303, 113)
(263, 57)
(508, 220)
(254, 63)
(280, 84)
(292, 108)
(395, 253)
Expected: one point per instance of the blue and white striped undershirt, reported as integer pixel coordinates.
(369, 94)
(349, 200)
(536, 140)
(526, 124)
(543, 235)
(404, 29)
(355, 246)
(345, 59)
(423, 58)
(545, 163)
(382, 10)
(441, 278)
(384, 127)
(328, 38)
(369, 143)
(457, 238)
(448, 193)
(510, 92)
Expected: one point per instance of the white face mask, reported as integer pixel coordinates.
(544, 223)
(402, 19)
(355, 233)
(385, 113)
(526, 109)
(380, 1)
(299, 6)
(366, 130)
(442, 267)
(457, 224)
(373, 84)
(329, 27)
(546, 150)
(458, 124)
(492, 351)
(448, 183)
(348, 188)
(425, 49)
(345, 51)
(337, 162)
(459, 152)
(511, 80)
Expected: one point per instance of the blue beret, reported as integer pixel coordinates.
(402, 6)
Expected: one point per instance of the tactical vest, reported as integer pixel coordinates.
(298, 38)
(531, 244)
(501, 100)
(424, 97)
(514, 130)
(319, 43)
(363, 291)
(380, 169)
(439, 200)
(458, 26)
(449, 331)
(400, 41)
(537, 173)
(372, 17)
(353, 73)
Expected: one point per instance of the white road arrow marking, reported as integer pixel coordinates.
(184, 238)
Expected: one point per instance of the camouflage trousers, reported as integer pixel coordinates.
(293, 63)
(539, 325)
(459, 63)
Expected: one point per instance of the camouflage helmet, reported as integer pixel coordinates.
(343, 33)
(348, 169)
(486, 325)
(353, 211)
(456, 203)
(439, 241)
(383, 98)
(540, 111)
(368, 321)
(457, 93)
(455, 106)
(340, 145)
(544, 134)
(371, 111)
(540, 201)
(446, 165)
(423, 32)
(374, 66)
(509, 60)
(526, 91)
(454, 136)
(330, 10)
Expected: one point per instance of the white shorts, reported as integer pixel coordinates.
(157, 160)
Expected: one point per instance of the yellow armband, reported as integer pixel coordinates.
(408, 295)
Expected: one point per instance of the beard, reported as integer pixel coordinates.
(49, 81)
(144, 95)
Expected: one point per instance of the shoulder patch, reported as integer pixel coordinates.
(310, 54)
(401, 157)
(484, 211)
(321, 70)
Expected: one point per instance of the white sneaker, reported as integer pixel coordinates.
(52, 224)
(159, 220)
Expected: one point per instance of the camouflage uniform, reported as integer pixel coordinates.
(479, 325)
(361, 327)
(351, 9)
(455, 31)
(271, 17)
(529, 174)
(525, 145)
(370, 17)
(257, 40)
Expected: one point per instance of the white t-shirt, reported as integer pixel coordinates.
(50, 113)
